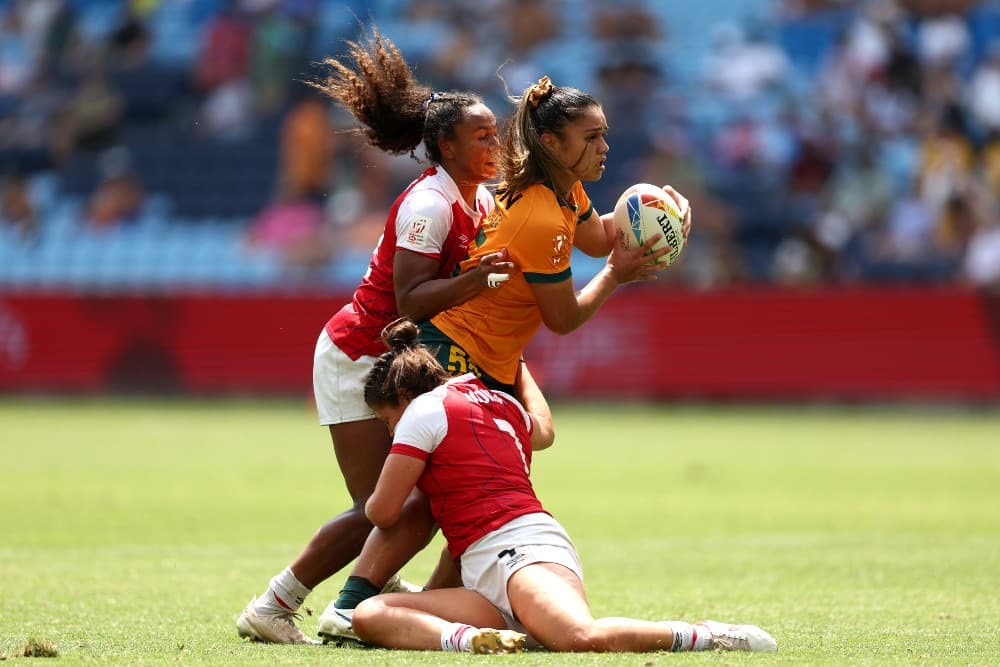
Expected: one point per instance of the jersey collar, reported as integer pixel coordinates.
(451, 189)
(468, 377)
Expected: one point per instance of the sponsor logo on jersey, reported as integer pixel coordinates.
(417, 234)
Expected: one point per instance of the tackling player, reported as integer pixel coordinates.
(468, 448)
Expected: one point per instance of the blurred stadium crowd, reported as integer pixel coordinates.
(172, 143)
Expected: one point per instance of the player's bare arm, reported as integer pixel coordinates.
(564, 310)
(595, 235)
(526, 391)
(398, 477)
(421, 295)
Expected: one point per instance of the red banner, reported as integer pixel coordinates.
(644, 343)
(170, 343)
(863, 343)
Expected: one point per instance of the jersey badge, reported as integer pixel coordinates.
(558, 244)
(417, 234)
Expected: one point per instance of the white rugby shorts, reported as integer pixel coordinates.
(339, 384)
(491, 560)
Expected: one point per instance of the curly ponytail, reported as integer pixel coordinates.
(397, 112)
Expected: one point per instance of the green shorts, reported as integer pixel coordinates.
(454, 358)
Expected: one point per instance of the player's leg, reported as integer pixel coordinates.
(385, 551)
(361, 448)
(445, 574)
(455, 619)
(361, 444)
(549, 600)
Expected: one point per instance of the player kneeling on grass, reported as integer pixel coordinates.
(468, 448)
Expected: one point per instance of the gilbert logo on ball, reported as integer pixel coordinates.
(645, 210)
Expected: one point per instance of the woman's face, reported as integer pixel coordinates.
(390, 414)
(469, 154)
(581, 144)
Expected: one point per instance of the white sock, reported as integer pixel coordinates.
(689, 637)
(457, 637)
(284, 594)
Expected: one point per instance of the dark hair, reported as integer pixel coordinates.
(543, 107)
(408, 367)
(397, 111)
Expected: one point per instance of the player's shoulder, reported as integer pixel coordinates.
(462, 382)
(578, 193)
(432, 397)
(529, 200)
(426, 197)
(427, 405)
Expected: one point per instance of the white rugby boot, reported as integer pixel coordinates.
(335, 625)
(270, 628)
(488, 640)
(399, 585)
(726, 637)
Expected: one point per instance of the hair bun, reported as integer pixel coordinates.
(539, 91)
(401, 334)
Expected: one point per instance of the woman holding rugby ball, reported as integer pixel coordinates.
(556, 140)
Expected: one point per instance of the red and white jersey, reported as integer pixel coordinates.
(430, 217)
(477, 446)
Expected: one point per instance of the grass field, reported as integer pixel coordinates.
(134, 532)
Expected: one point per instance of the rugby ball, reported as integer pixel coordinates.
(644, 210)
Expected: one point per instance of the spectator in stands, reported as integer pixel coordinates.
(16, 209)
(274, 56)
(981, 260)
(17, 60)
(296, 226)
(308, 148)
(225, 52)
(947, 157)
(148, 90)
(965, 212)
(228, 112)
(119, 197)
(943, 40)
(983, 91)
(905, 246)
(989, 162)
(867, 44)
(858, 197)
(30, 137)
(61, 38)
(296, 232)
(742, 66)
(93, 113)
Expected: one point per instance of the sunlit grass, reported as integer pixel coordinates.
(134, 532)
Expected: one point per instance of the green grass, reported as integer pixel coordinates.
(134, 532)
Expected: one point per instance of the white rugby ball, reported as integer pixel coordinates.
(644, 210)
